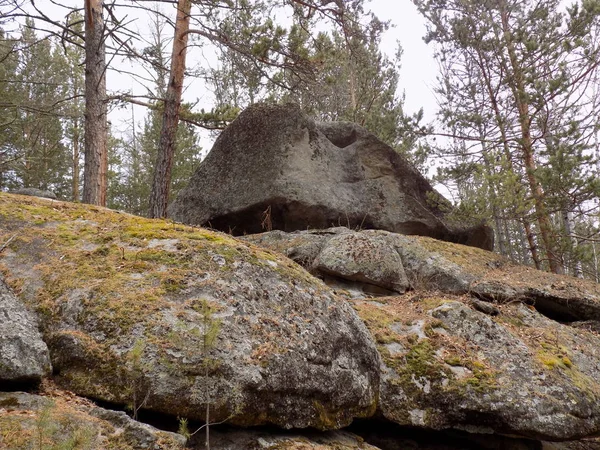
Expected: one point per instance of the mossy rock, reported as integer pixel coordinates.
(59, 420)
(447, 365)
(150, 311)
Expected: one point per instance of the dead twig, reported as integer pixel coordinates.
(7, 243)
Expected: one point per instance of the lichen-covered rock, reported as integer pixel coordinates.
(363, 258)
(446, 365)
(32, 421)
(24, 356)
(169, 317)
(451, 268)
(275, 168)
(34, 192)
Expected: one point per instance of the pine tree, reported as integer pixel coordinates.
(138, 151)
(9, 92)
(35, 150)
(73, 107)
(525, 66)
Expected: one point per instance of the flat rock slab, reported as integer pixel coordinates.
(362, 258)
(170, 317)
(65, 421)
(240, 439)
(274, 168)
(24, 357)
(430, 264)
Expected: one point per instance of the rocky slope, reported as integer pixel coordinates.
(167, 320)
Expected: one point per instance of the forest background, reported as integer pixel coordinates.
(514, 140)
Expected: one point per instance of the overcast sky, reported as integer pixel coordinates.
(419, 70)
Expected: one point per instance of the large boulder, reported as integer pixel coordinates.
(169, 318)
(24, 357)
(451, 360)
(275, 168)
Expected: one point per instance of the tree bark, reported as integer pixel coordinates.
(96, 130)
(159, 196)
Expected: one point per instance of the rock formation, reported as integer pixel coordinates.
(275, 168)
(415, 342)
(24, 356)
(145, 291)
(34, 192)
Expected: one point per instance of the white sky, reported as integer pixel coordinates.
(419, 69)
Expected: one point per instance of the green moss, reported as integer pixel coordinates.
(430, 328)
(511, 319)
(454, 361)
(484, 379)
(378, 320)
(421, 360)
(473, 259)
(551, 360)
(429, 303)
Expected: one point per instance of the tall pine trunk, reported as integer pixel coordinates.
(537, 193)
(518, 195)
(96, 131)
(159, 196)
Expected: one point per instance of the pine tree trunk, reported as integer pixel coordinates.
(518, 90)
(532, 245)
(510, 252)
(164, 160)
(96, 131)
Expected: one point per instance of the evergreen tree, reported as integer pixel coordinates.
(35, 152)
(131, 188)
(514, 98)
(351, 80)
(10, 95)
(74, 104)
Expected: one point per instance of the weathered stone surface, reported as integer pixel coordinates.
(136, 434)
(275, 168)
(451, 268)
(24, 356)
(67, 422)
(35, 193)
(584, 444)
(240, 439)
(362, 258)
(518, 373)
(125, 303)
